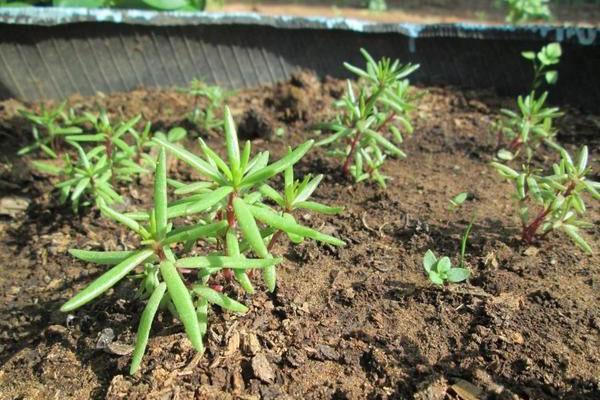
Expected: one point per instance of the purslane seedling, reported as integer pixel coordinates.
(206, 117)
(526, 129)
(231, 193)
(369, 127)
(520, 11)
(88, 178)
(543, 61)
(553, 202)
(51, 127)
(457, 201)
(166, 281)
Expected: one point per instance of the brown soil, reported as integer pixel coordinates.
(352, 323)
(417, 11)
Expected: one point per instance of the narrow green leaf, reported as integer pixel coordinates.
(233, 250)
(160, 195)
(318, 207)
(231, 139)
(204, 202)
(194, 161)
(249, 228)
(194, 232)
(143, 331)
(183, 303)
(106, 280)
(101, 257)
(272, 219)
(220, 299)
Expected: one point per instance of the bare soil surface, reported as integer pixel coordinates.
(417, 11)
(360, 322)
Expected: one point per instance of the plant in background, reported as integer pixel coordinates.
(231, 193)
(520, 11)
(548, 56)
(167, 281)
(143, 144)
(377, 5)
(558, 197)
(365, 132)
(111, 138)
(166, 5)
(527, 129)
(214, 96)
(88, 178)
(51, 127)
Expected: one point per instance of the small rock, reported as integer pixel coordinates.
(119, 349)
(106, 337)
(251, 344)
(327, 353)
(13, 205)
(262, 368)
(531, 251)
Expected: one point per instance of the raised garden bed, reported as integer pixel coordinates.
(356, 322)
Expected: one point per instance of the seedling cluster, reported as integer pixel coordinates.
(520, 11)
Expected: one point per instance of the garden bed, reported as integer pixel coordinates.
(357, 322)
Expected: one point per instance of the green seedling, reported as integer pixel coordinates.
(112, 139)
(166, 279)
(441, 271)
(458, 200)
(368, 129)
(377, 5)
(526, 129)
(51, 127)
(558, 197)
(214, 96)
(231, 193)
(86, 179)
(520, 11)
(143, 144)
(542, 62)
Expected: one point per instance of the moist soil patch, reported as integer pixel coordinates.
(356, 322)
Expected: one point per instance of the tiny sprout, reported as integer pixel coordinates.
(50, 127)
(548, 56)
(368, 129)
(377, 5)
(558, 195)
(87, 178)
(441, 271)
(215, 96)
(458, 200)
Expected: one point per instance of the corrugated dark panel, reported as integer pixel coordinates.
(86, 57)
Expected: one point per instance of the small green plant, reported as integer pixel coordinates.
(458, 200)
(143, 144)
(520, 11)
(365, 132)
(88, 178)
(231, 192)
(527, 129)
(214, 96)
(166, 280)
(542, 62)
(558, 197)
(51, 127)
(377, 5)
(441, 271)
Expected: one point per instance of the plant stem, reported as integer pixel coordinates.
(530, 230)
(273, 240)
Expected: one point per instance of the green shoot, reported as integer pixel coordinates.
(214, 96)
(520, 11)
(441, 271)
(458, 200)
(558, 197)
(369, 127)
(548, 56)
(527, 129)
(51, 127)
